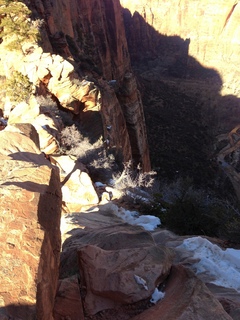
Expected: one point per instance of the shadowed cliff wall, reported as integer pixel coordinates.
(212, 27)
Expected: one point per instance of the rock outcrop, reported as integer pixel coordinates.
(117, 277)
(46, 123)
(70, 69)
(77, 187)
(189, 299)
(30, 202)
(118, 267)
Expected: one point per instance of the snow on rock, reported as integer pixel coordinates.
(99, 184)
(157, 296)
(148, 222)
(141, 281)
(222, 267)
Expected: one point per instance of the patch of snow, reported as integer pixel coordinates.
(3, 121)
(111, 182)
(99, 184)
(221, 266)
(157, 296)
(148, 222)
(137, 197)
(112, 82)
(141, 281)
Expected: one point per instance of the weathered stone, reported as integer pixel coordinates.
(186, 297)
(27, 129)
(30, 203)
(47, 126)
(229, 298)
(117, 277)
(24, 112)
(68, 302)
(48, 130)
(77, 188)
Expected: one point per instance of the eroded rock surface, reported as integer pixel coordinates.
(80, 77)
(103, 252)
(77, 187)
(186, 297)
(118, 277)
(30, 203)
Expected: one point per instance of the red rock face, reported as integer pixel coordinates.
(97, 28)
(211, 26)
(30, 240)
(92, 34)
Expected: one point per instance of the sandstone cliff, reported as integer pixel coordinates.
(211, 28)
(30, 201)
(85, 42)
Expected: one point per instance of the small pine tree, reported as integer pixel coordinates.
(16, 26)
(18, 87)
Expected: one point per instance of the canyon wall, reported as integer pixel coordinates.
(211, 27)
(91, 36)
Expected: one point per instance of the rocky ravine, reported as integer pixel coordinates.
(186, 54)
(103, 267)
(108, 269)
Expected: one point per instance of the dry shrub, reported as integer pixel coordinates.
(134, 179)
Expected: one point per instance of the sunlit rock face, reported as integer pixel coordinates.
(96, 26)
(30, 240)
(212, 28)
(91, 36)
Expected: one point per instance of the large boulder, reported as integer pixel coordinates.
(47, 125)
(186, 297)
(30, 239)
(77, 188)
(117, 277)
(112, 258)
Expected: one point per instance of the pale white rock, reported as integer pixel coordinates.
(24, 112)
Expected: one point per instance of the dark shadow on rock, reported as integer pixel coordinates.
(27, 185)
(150, 49)
(30, 157)
(183, 106)
(18, 312)
(49, 215)
(43, 220)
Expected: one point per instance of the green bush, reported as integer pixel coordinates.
(16, 27)
(18, 87)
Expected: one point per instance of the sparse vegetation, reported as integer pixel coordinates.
(188, 211)
(94, 156)
(18, 87)
(133, 179)
(73, 142)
